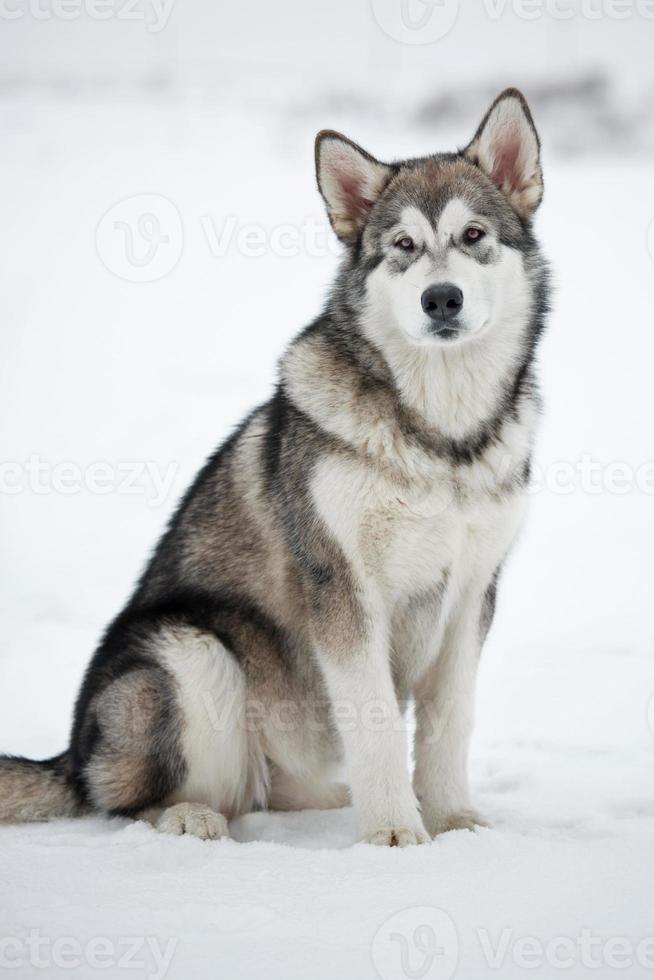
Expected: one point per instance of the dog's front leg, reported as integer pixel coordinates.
(366, 712)
(444, 720)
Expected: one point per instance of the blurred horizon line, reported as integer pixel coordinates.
(579, 112)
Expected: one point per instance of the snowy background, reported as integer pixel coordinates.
(161, 241)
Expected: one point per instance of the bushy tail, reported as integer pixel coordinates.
(31, 791)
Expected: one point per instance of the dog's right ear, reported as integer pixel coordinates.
(506, 147)
(350, 181)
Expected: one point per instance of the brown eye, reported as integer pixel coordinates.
(405, 243)
(472, 235)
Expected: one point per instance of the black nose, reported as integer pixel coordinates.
(442, 302)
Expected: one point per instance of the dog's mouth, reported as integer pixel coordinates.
(446, 333)
(452, 331)
(447, 330)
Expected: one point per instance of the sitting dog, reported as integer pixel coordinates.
(338, 556)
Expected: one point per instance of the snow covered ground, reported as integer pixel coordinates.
(112, 393)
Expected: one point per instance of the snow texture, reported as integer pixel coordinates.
(99, 369)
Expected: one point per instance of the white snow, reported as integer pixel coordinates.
(99, 370)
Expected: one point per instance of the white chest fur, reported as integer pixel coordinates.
(403, 540)
(417, 553)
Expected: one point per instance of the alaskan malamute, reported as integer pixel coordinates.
(338, 556)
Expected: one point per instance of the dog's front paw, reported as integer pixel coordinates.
(466, 819)
(194, 819)
(397, 836)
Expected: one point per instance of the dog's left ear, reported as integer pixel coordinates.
(506, 147)
(350, 181)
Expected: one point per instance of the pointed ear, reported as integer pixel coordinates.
(506, 147)
(350, 181)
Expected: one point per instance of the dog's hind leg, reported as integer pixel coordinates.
(167, 739)
(128, 752)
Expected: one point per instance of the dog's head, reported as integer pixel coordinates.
(442, 239)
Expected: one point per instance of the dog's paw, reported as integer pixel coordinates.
(441, 823)
(195, 819)
(397, 837)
